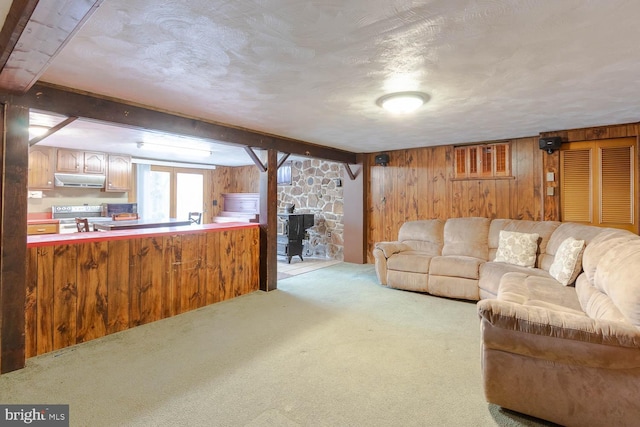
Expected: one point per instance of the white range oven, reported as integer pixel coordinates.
(67, 215)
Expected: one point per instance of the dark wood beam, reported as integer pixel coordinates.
(261, 166)
(52, 130)
(283, 159)
(352, 175)
(14, 24)
(75, 104)
(13, 235)
(269, 224)
(50, 26)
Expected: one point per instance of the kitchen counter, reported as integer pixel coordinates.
(82, 286)
(139, 223)
(122, 234)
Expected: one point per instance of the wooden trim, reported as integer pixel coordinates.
(268, 225)
(352, 175)
(14, 25)
(283, 159)
(256, 160)
(52, 130)
(51, 25)
(71, 103)
(13, 250)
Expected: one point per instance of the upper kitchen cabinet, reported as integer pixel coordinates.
(73, 161)
(118, 173)
(41, 167)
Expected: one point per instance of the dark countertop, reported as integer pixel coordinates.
(100, 236)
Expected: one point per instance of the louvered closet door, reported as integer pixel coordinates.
(616, 187)
(577, 184)
(598, 183)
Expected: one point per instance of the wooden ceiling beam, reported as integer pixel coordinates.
(52, 130)
(35, 33)
(71, 103)
(14, 24)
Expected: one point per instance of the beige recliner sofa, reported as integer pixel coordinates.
(564, 354)
(453, 258)
(567, 354)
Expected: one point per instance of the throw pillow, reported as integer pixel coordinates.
(517, 248)
(568, 261)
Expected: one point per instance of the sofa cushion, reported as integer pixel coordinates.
(616, 276)
(417, 282)
(596, 304)
(564, 230)
(456, 266)
(412, 261)
(423, 235)
(517, 248)
(543, 228)
(492, 272)
(538, 291)
(466, 237)
(567, 263)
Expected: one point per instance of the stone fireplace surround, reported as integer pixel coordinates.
(316, 187)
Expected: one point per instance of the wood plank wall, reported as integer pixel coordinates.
(76, 293)
(225, 179)
(419, 184)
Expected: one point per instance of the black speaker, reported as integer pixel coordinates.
(382, 159)
(550, 144)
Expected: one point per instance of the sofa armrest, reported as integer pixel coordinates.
(558, 324)
(390, 248)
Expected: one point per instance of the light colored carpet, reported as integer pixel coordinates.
(329, 348)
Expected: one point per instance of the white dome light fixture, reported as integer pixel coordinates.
(402, 102)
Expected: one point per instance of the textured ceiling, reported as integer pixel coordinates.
(312, 70)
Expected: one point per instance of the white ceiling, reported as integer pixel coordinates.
(312, 70)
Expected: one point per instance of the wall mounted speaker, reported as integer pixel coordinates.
(382, 159)
(550, 144)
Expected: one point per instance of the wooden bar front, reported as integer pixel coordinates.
(80, 291)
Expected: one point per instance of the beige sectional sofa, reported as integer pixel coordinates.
(568, 354)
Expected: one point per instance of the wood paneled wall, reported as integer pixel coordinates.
(241, 179)
(420, 184)
(79, 292)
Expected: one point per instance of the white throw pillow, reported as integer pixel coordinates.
(517, 248)
(568, 261)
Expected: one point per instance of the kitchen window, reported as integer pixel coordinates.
(169, 192)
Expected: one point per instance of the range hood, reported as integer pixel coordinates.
(79, 180)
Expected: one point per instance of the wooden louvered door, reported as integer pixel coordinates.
(598, 183)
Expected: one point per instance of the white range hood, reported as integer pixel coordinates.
(79, 180)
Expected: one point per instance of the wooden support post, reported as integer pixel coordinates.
(268, 223)
(13, 235)
(354, 215)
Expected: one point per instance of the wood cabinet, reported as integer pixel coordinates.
(118, 173)
(73, 161)
(43, 228)
(41, 167)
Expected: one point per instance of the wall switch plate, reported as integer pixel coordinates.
(34, 195)
(551, 176)
(551, 191)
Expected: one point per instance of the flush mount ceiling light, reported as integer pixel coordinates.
(402, 102)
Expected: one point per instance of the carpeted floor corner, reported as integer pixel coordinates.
(329, 348)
